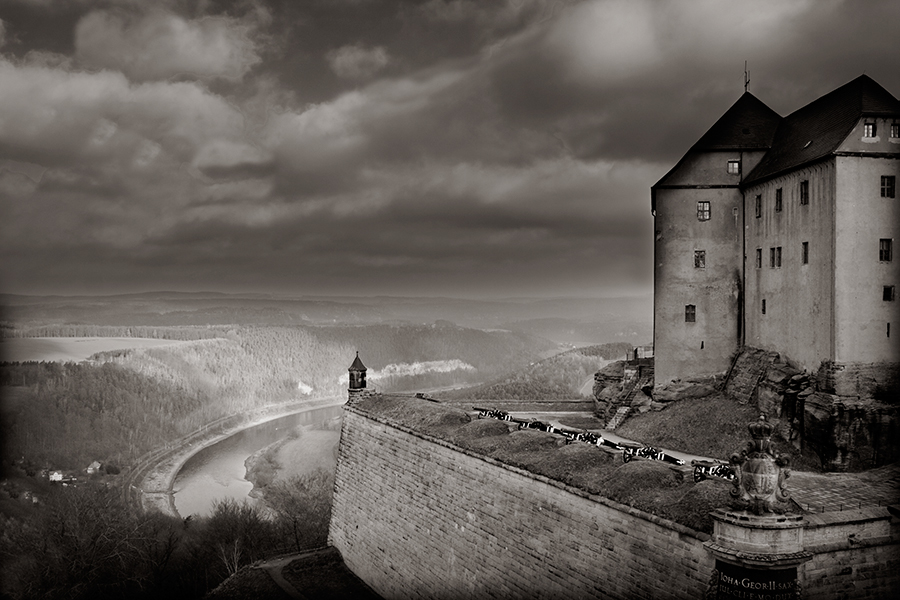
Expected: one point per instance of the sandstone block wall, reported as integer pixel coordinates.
(855, 555)
(416, 517)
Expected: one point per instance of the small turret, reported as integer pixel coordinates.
(357, 377)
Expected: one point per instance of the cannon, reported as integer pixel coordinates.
(705, 469)
(492, 413)
(632, 449)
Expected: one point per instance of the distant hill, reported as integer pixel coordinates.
(562, 320)
(555, 378)
(125, 402)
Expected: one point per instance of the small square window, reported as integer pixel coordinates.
(869, 130)
(690, 313)
(758, 205)
(734, 167)
(804, 192)
(771, 258)
(888, 186)
(778, 257)
(759, 258)
(885, 250)
(699, 259)
(703, 211)
(805, 253)
(778, 200)
(764, 306)
(888, 294)
(895, 130)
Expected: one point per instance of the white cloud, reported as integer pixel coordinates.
(159, 45)
(617, 41)
(357, 62)
(54, 116)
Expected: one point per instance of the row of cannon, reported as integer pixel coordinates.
(703, 469)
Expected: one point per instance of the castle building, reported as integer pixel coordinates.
(777, 233)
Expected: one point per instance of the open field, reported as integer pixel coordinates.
(63, 349)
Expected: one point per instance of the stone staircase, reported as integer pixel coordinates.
(616, 420)
(746, 372)
(622, 404)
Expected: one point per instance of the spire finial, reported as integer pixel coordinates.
(746, 77)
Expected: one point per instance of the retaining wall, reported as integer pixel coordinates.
(416, 517)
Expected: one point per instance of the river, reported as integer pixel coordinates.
(217, 472)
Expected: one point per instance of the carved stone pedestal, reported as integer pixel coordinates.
(756, 556)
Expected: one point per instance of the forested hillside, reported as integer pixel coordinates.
(124, 403)
(555, 378)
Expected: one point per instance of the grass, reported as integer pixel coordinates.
(714, 426)
(651, 486)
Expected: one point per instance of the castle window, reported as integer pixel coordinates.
(771, 258)
(778, 257)
(759, 258)
(703, 210)
(888, 186)
(758, 205)
(804, 192)
(690, 313)
(778, 200)
(895, 130)
(699, 259)
(805, 253)
(764, 306)
(885, 250)
(734, 167)
(888, 293)
(869, 130)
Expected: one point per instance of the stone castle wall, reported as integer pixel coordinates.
(414, 516)
(417, 517)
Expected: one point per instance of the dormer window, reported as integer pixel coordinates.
(869, 130)
(734, 167)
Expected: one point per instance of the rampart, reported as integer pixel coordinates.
(414, 516)
(417, 516)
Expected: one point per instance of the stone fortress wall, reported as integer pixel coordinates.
(415, 516)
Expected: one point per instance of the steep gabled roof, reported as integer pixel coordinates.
(818, 129)
(748, 125)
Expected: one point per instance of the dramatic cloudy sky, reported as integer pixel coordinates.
(434, 147)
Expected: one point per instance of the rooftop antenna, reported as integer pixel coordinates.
(746, 77)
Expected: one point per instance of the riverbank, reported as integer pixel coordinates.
(305, 450)
(155, 482)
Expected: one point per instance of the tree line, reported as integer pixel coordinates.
(85, 542)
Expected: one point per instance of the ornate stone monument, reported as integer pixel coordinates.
(758, 544)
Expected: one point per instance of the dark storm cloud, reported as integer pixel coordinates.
(379, 146)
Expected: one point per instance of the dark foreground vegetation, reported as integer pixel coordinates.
(86, 542)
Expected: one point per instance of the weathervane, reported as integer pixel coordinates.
(746, 77)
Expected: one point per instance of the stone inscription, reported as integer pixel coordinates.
(755, 584)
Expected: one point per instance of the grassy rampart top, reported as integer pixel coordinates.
(653, 487)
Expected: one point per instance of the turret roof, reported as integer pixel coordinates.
(357, 364)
